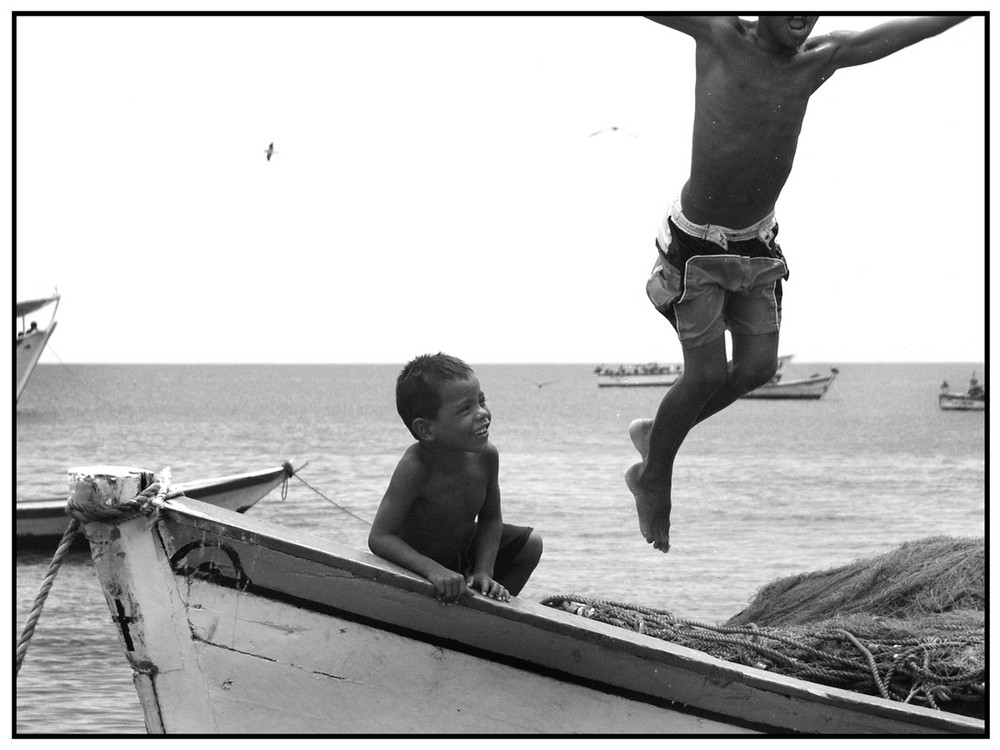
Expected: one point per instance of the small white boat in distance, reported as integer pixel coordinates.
(973, 399)
(651, 374)
(625, 376)
(29, 339)
(40, 524)
(234, 625)
(810, 388)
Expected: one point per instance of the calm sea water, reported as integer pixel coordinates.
(763, 490)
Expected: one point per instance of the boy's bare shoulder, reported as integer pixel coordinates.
(413, 467)
(492, 455)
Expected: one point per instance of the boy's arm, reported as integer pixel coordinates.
(694, 26)
(489, 527)
(384, 539)
(851, 48)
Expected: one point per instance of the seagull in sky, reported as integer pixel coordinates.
(270, 151)
(613, 129)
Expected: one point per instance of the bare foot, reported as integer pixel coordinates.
(654, 520)
(639, 432)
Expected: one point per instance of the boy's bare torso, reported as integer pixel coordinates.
(749, 108)
(442, 519)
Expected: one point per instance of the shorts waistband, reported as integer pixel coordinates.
(762, 230)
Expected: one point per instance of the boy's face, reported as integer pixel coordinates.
(463, 421)
(787, 31)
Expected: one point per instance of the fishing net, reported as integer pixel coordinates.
(908, 625)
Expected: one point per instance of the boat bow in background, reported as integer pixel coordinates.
(40, 524)
(29, 339)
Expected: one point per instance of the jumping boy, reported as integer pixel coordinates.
(440, 516)
(718, 266)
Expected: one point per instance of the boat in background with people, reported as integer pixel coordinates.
(29, 339)
(235, 625)
(974, 399)
(650, 374)
(810, 388)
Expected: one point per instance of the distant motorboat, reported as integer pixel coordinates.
(812, 387)
(973, 399)
(29, 339)
(649, 374)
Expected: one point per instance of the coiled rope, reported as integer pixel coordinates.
(80, 512)
(922, 671)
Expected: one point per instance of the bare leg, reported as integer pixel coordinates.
(523, 564)
(707, 386)
(650, 480)
(755, 359)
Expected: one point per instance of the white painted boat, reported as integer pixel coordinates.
(974, 399)
(651, 374)
(40, 524)
(234, 625)
(29, 339)
(812, 387)
(626, 376)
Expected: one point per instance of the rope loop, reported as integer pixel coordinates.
(146, 503)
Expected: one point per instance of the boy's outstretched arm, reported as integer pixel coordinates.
(694, 26)
(851, 48)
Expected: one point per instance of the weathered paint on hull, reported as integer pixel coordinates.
(235, 625)
(300, 670)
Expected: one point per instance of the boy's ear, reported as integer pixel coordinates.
(422, 428)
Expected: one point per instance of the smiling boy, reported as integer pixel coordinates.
(718, 266)
(440, 516)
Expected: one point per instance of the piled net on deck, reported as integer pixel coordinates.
(908, 625)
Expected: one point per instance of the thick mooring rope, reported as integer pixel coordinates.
(36, 609)
(922, 671)
(80, 512)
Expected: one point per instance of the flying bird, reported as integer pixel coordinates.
(542, 384)
(614, 129)
(270, 151)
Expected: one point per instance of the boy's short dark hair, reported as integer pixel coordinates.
(418, 386)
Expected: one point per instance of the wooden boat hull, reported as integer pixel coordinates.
(234, 625)
(810, 388)
(40, 524)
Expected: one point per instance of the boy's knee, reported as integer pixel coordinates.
(532, 549)
(708, 378)
(756, 374)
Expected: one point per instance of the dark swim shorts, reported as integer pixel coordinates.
(707, 283)
(512, 541)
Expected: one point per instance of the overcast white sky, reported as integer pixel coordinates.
(436, 187)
